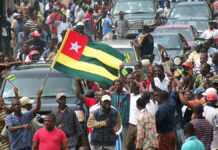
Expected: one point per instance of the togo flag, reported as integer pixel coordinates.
(11, 77)
(92, 61)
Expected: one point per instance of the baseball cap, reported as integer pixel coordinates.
(211, 94)
(211, 97)
(35, 34)
(209, 91)
(26, 100)
(59, 95)
(15, 15)
(199, 91)
(80, 23)
(105, 98)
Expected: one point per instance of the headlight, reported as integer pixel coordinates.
(149, 22)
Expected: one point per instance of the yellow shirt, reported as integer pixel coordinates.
(193, 57)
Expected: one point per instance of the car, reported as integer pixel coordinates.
(30, 78)
(137, 12)
(188, 31)
(197, 14)
(173, 43)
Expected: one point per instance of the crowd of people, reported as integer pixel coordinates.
(153, 107)
(37, 28)
(158, 111)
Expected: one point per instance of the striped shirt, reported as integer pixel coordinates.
(30, 24)
(204, 131)
(2, 122)
(4, 145)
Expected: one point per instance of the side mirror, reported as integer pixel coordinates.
(177, 61)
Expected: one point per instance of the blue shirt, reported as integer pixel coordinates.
(106, 26)
(21, 138)
(165, 115)
(193, 143)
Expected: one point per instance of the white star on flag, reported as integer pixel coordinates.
(75, 46)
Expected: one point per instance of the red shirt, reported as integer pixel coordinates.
(52, 18)
(90, 102)
(49, 140)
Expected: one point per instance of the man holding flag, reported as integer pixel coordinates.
(18, 124)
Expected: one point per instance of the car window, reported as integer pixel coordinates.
(186, 32)
(170, 42)
(141, 6)
(190, 11)
(28, 86)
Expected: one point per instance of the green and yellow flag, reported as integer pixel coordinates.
(88, 60)
(11, 77)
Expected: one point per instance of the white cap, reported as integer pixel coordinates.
(145, 62)
(105, 98)
(16, 14)
(26, 100)
(80, 23)
(210, 91)
(59, 95)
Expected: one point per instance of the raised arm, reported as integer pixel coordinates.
(38, 102)
(16, 93)
(78, 90)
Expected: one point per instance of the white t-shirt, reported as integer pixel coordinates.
(79, 15)
(152, 107)
(163, 85)
(61, 27)
(134, 111)
(93, 108)
(207, 34)
(210, 113)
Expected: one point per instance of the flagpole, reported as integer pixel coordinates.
(136, 56)
(11, 83)
(45, 79)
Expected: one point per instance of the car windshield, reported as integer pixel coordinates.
(190, 11)
(170, 42)
(186, 32)
(28, 86)
(142, 6)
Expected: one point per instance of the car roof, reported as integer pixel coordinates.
(165, 34)
(168, 26)
(191, 3)
(33, 69)
(118, 43)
